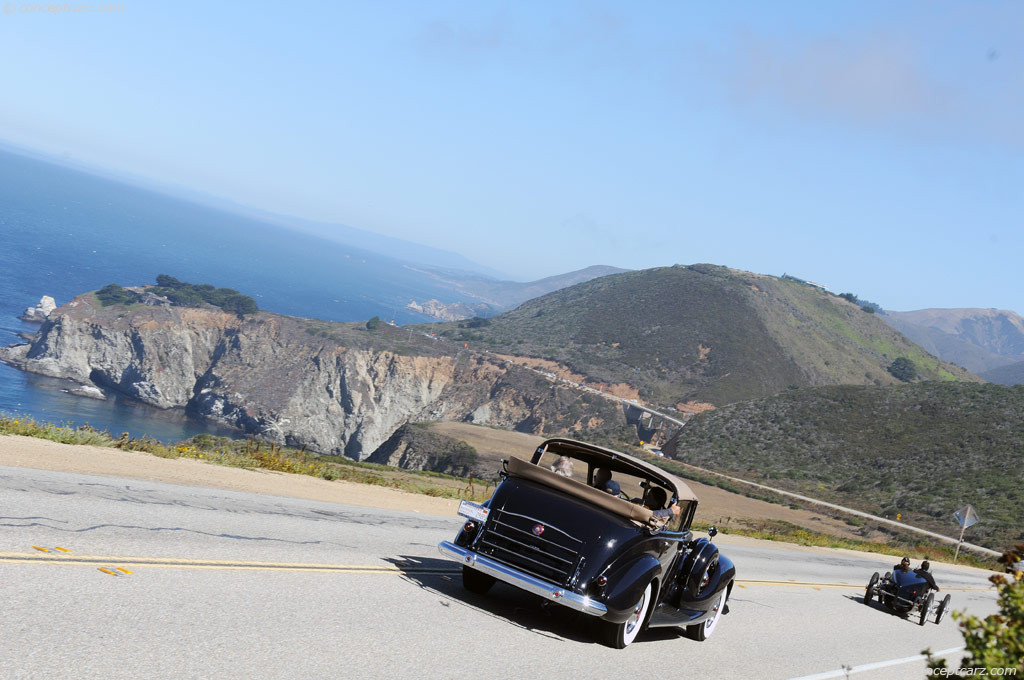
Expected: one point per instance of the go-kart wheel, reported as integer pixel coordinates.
(926, 607)
(618, 635)
(943, 606)
(870, 589)
(702, 631)
(476, 581)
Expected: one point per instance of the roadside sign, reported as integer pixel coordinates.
(966, 516)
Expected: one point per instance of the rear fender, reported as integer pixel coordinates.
(626, 584)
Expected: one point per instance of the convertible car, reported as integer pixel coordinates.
(904, 592)
(602, 551)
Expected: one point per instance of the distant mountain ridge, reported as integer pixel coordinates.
(985, 341)
(497, 296)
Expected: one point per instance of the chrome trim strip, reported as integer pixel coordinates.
(521, 580)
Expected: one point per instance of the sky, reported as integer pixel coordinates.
(874, 147)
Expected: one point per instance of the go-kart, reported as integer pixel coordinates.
(904, 592)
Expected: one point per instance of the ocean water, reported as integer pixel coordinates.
(64, 232)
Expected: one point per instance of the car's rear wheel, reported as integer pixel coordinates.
(943, 606)
(926, 607)
(619, 635)
(702, 631)
(870, 590)
(476, 581)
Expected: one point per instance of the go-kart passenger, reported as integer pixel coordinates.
(924, 573)
(903, 566)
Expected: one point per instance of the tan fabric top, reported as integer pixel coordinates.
(621, 462)
(521, 468)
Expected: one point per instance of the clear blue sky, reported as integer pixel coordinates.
(874, 147)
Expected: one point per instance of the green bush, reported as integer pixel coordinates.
(903, 369)
(997, 641)
(187, 294)
(113, 294)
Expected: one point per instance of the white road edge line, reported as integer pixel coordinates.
(843, 672)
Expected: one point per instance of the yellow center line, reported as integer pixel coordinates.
(192, 563)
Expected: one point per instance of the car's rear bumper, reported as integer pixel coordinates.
(521, 580)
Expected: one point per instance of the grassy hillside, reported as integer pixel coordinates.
(922, 450)
(703, 333)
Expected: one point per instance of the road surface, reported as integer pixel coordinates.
(146, 579)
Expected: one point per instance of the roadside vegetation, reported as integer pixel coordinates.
(254, 455)
(921, 451)
(993, 645)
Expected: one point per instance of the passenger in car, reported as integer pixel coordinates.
(562, 466)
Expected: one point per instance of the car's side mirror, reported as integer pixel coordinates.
(712, 532)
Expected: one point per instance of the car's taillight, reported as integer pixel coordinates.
(601, 581)
(469, 527)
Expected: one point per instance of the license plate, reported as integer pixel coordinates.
(473, 511)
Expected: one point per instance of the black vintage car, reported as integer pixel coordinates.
(606, 551)
(906, 593)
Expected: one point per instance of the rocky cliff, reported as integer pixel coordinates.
(334, 388)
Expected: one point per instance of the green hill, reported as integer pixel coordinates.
(704, 333)
(922, 450)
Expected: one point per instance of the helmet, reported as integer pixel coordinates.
(925, 566)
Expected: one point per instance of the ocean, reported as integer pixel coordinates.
(65, 232)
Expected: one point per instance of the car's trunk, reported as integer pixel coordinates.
(545, 532)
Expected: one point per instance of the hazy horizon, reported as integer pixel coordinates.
(871, 148)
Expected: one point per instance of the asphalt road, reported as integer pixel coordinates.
(165, 581)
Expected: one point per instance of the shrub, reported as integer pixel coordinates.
(903, 369)
(113, 294)
(997, 641)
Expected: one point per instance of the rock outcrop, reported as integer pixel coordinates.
(335, 388)
(414, 447)
(41, 311)
(455, 311)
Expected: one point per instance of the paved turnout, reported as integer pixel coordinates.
(113, 578)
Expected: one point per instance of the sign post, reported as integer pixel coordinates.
(965, 517)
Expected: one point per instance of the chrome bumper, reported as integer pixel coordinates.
(518, 579)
